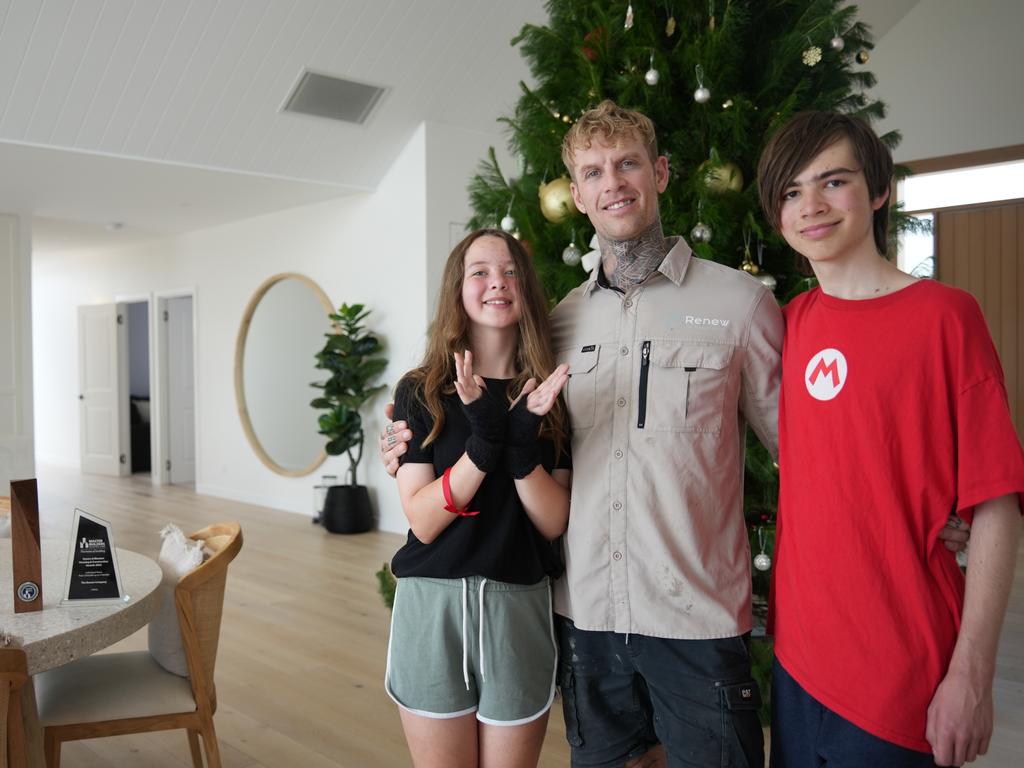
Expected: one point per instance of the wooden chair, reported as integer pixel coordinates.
(13, 674)
(119, 693)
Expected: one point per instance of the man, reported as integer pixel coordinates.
(670, 356)
(893, 412)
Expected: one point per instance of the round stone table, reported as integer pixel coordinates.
(61, 633)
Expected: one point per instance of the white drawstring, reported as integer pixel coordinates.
(465, 653)
(483, 674)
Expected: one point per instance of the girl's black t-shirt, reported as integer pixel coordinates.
(500, 543)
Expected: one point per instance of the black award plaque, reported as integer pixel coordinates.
(93, 573)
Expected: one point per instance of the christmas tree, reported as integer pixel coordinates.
(717, 77)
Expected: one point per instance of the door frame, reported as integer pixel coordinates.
(159, 382)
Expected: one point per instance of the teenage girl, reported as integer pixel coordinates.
(484, 483)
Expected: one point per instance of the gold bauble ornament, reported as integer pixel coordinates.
(721, 177)
(556, 200)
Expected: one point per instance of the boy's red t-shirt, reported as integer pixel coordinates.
(893, 413)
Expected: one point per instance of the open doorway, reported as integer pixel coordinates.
(139, 387)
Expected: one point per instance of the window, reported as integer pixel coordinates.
(924, 193)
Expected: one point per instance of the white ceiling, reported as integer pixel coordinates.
(165, 114)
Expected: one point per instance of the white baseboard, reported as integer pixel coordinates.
(53, 460)
(284, 504)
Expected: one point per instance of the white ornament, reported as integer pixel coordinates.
(508, 224)
(762, 561)
(701, 233)
(769, 282)
(652, 76)
(702, 94)
(572, 254)
(811, 56)
(837, 43)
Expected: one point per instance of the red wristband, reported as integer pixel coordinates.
(449, 506)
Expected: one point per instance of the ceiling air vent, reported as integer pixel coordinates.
(333, 97)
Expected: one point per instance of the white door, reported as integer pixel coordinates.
(181, 390)
(103, 389)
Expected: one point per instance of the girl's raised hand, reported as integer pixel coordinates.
(468, 385)
(541, 398)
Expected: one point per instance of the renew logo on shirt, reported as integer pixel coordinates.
(825, 374)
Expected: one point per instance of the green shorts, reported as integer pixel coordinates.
(472, 645)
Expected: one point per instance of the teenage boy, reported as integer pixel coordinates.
(893, 412)
(670, 355)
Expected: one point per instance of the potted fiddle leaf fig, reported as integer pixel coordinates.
(352, 357)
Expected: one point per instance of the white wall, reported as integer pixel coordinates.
(371, 249)
(368, 249)
(17, 460)
(950, 73)
(453, 156)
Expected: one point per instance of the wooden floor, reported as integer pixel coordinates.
(304, 638)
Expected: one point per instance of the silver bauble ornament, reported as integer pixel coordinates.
(701, 233)
(556, 200)
(508, 224)
(572, 254)
(762, 562)
(652, 76)
(837, 43)
(769, 282)
(702, 95)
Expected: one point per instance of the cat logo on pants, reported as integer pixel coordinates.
(825, 374)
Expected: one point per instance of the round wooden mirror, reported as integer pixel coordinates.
(282, 329)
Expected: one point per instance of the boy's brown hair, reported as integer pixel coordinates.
(805, 136)
(610, 123)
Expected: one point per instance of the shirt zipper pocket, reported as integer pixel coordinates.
(645, 367)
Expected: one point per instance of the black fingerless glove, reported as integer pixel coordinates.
(523, 453)
(486, 417)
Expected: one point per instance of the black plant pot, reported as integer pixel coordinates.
(347, 509)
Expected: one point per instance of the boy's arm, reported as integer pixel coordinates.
(960, 713)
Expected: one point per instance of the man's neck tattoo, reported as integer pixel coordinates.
(635, 259)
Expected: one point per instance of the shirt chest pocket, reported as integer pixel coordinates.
(581, 391)
(685, 387)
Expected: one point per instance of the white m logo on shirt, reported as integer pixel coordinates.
(825, 374)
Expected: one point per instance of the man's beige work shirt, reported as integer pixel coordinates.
(662, 381)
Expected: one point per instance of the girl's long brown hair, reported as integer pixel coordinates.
(435, 377)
